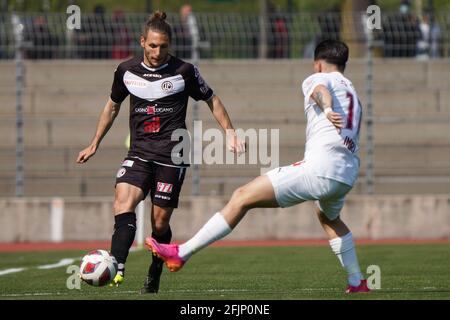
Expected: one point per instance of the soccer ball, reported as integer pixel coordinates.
(98, 268)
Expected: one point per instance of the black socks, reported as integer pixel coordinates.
(156, 267)
(123, 237)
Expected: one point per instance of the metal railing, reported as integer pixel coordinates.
(288, 35)
(222, 36)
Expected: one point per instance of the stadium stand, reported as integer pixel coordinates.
(63, 99)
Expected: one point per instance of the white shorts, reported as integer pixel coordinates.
(297, 183)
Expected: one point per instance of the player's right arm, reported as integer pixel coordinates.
(107, 117)
(118, 94)
(324, 100)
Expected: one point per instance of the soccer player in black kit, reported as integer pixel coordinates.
(159, 86)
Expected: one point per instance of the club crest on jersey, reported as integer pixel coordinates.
(121, 172)
(167, 86)
(164, 187)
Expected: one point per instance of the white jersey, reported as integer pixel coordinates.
(333, 153)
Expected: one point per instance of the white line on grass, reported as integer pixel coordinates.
(12, 270)
(61, 263)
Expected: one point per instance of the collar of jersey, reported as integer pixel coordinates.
(155, 69)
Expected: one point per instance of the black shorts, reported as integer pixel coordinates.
(162, 181)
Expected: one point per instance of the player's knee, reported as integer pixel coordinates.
(240, 198)
(322, 217)
(326, 220)
(117, 206)
(122, 206)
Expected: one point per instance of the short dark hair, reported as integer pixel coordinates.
(157, 22)
(333, 52)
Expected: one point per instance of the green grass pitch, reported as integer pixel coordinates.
(244, 273)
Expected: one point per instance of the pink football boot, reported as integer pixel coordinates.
(362, 288)
(166, 252)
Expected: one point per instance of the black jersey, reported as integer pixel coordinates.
(158, 103)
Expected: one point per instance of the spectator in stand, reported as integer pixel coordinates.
(401, 33)
(121, 37)
(3, 37)
(435, 38)
(423, 45)
(42, 43)
(329, 24)
(94, 39)
(278, 37)
(182, 35)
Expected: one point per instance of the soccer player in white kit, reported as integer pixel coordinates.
(326, 174)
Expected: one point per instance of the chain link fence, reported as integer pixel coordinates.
(232, 36)
(225, 36)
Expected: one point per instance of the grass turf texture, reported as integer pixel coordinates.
(266, 273)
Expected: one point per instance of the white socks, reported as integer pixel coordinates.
(344, 248)
(120, 268)
(213, 230)
(217, 228)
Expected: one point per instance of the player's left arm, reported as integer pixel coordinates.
(324, 100)
(221, 115)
